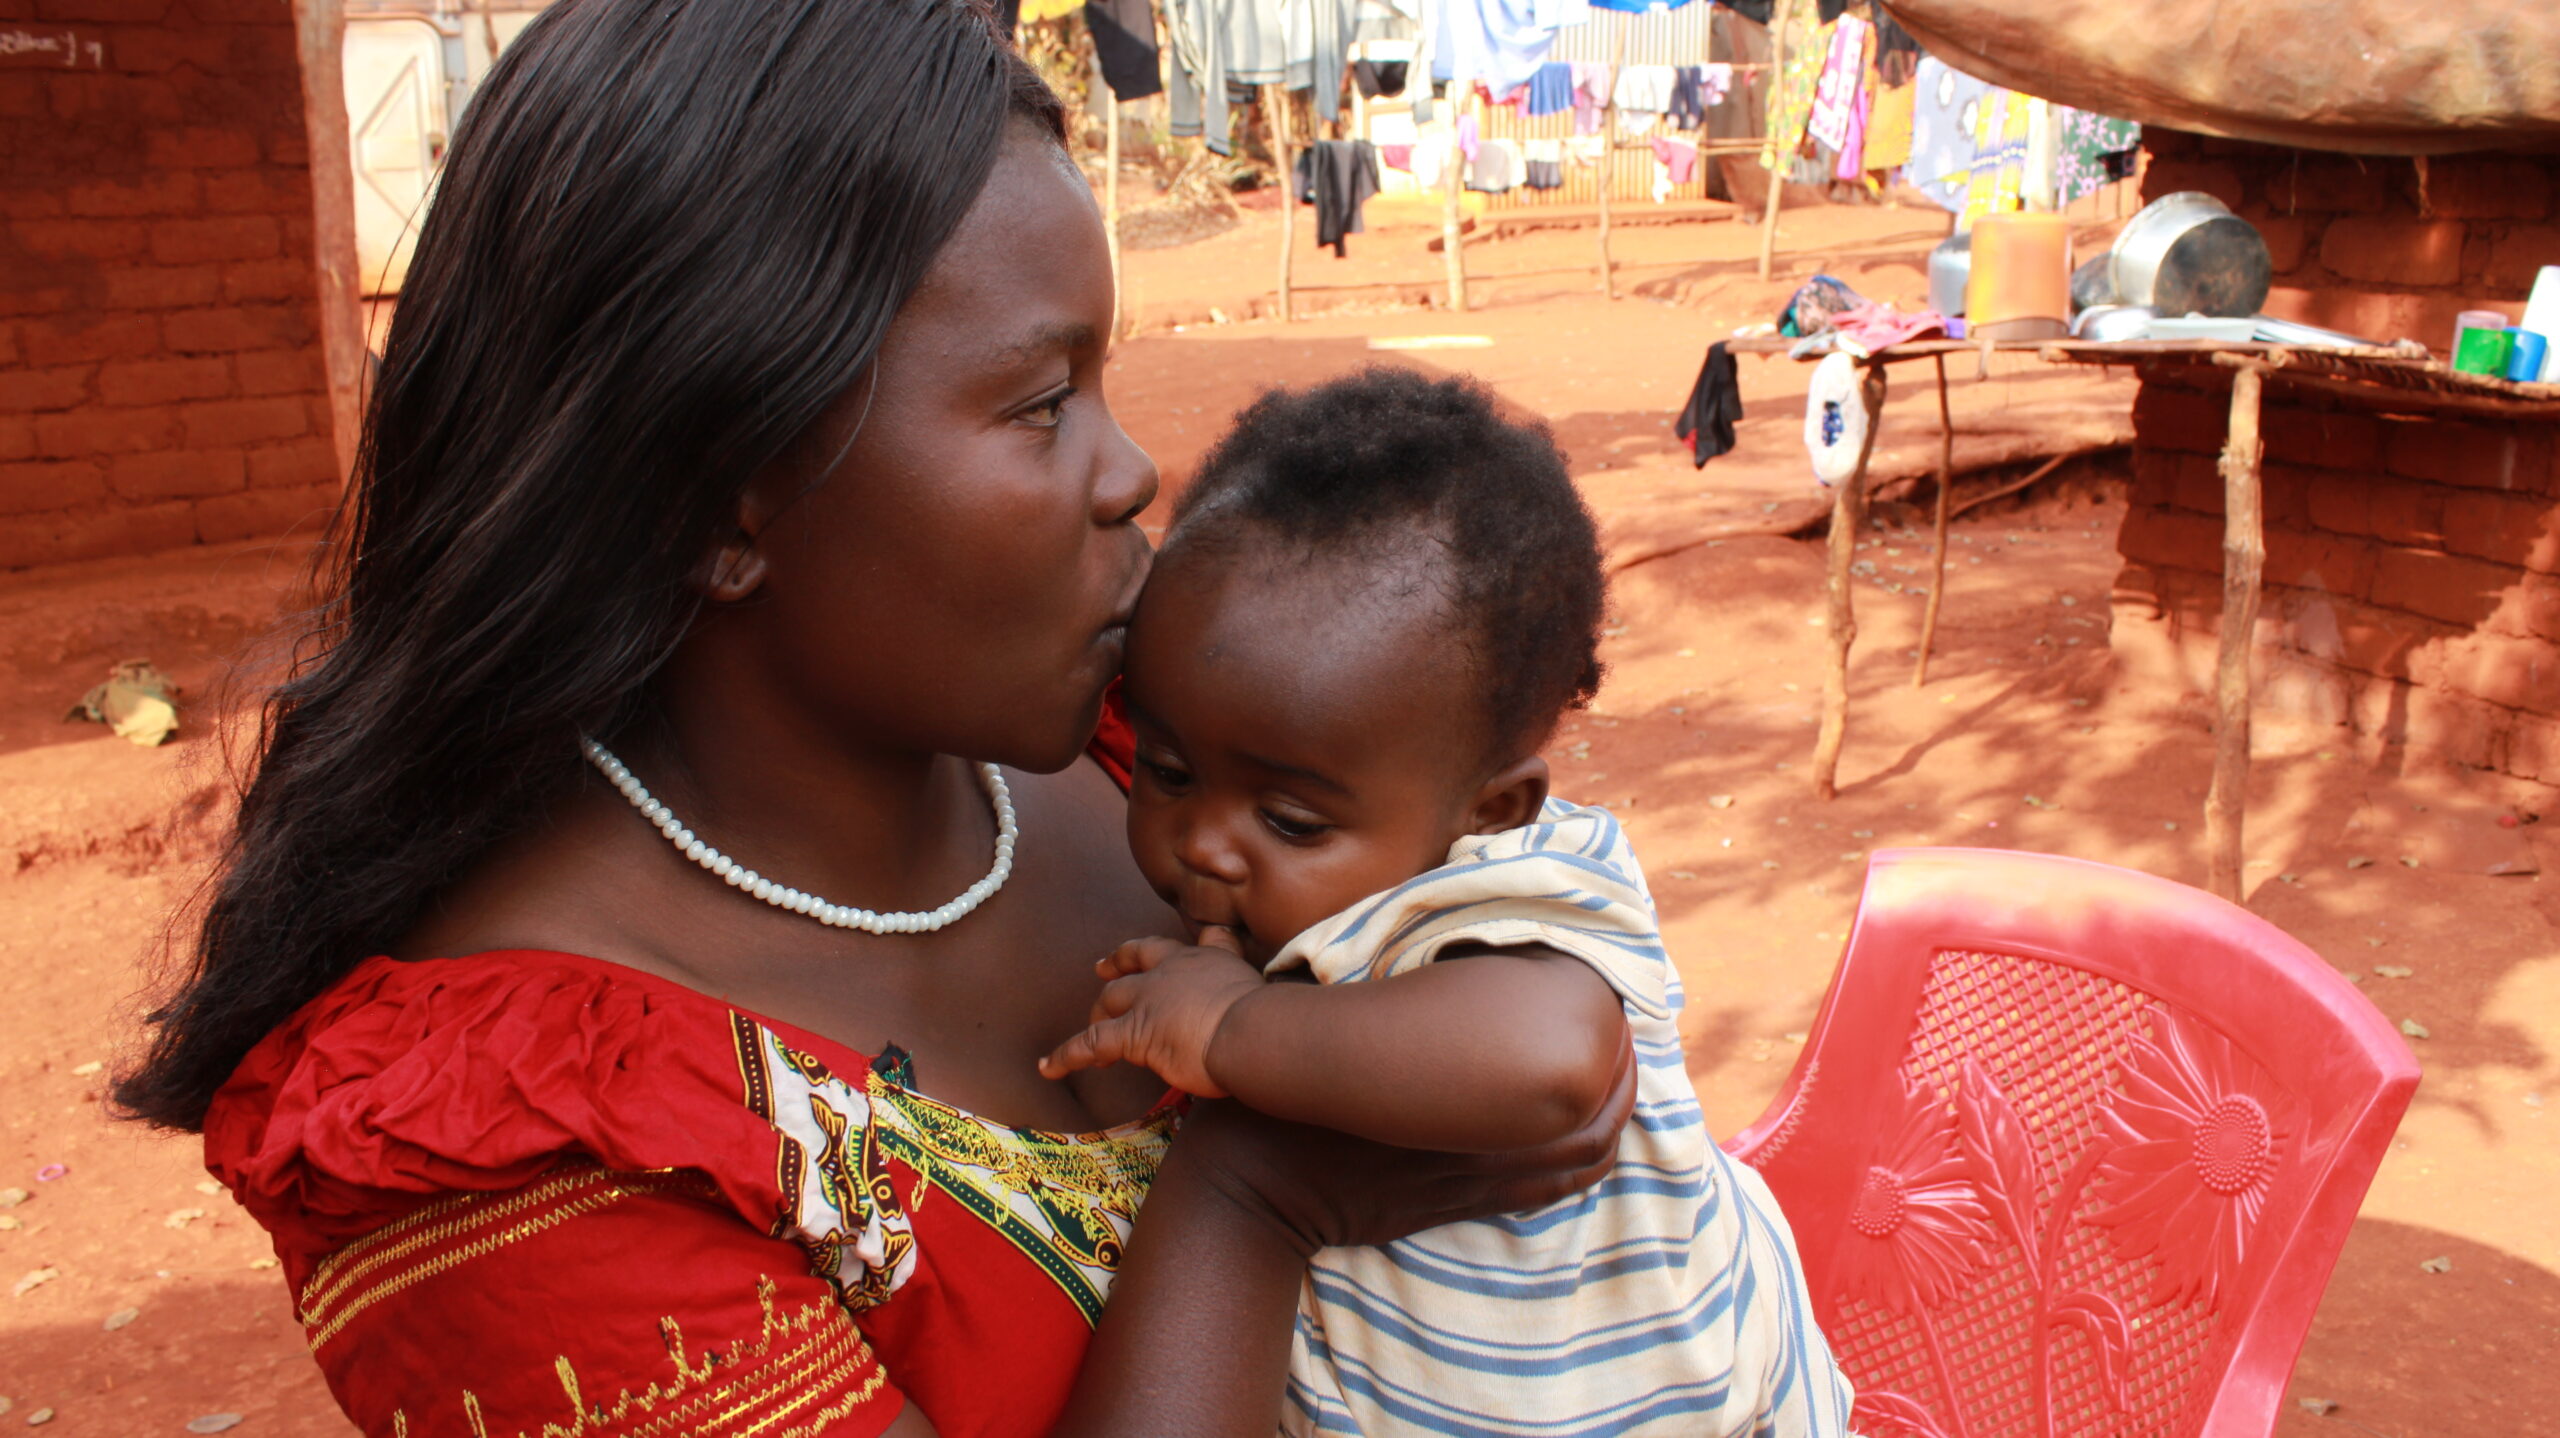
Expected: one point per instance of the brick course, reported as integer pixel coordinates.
(2412, 558)
(161, 378)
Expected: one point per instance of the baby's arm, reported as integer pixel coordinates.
(1485, 1050)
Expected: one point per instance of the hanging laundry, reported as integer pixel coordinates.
(1591, 86)
(1124, 44)
(2085, 159)
(1853, 162)
(1644, 87)
(1715, 404)
(1196, 96)
(1545, 164)
(1257, 34)
(1637, 7)
(1378, 79)
(1498, 167)
(1996, 177)
(1031, 12)
(1688, 99)
(1319, 50)
(1889, 128)
(1502, 42)
(1586, 150)
(1468, 141)
(1397, 157)
(1791, 96)
(1897, 54)
(1337, 177)
(1677, 156)
(1830, 10)
(1835, 96)
(1551, 89)
(1946, 105)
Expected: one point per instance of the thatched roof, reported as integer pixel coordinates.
(2391, 77)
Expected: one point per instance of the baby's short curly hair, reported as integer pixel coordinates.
(1392, 467)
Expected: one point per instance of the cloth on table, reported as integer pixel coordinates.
(1497, 167)
(1643, 87)
(1551, 89)
(1124, 45)
(1835, 97)
(1378, 79)
(1709, 1322)
(1679, 157)
(1816, 304)
(1876, 324)
(1715, 403)
(1337, 177)
(1591, 85)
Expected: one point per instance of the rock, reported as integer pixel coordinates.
(2414, 1029)
(12, 1197)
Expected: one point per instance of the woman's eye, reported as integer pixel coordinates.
(1048, 412)
(1294, 829)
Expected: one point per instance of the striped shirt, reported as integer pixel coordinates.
(1666, 1299)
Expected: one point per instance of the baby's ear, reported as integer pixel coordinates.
(1510, 798)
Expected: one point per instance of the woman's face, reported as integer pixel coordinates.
(958, 579)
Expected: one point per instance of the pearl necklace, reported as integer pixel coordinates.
(739, 876)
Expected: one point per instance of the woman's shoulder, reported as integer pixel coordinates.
(411, 1080)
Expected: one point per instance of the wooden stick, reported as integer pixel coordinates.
(1609, 152)
(1946, 486)
(1777, 163)
(2243, 555)
(1976, 501)
(1453, 179)
(1275, 107)
(1848, 510)
(1111, 204)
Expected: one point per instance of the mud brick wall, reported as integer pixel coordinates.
(2412, 579)
(161, 380)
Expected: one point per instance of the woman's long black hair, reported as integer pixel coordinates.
(669, 235)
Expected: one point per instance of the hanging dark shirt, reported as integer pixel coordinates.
(1378, 78)
(1124, 41)
(1337, 177)
(1715, 402)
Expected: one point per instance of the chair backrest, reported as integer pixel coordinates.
(2071, 1150)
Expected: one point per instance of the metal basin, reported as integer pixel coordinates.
(2188, 254)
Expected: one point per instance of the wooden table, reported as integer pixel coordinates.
(2386, 378)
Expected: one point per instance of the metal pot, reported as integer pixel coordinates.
(2108, 324)
(1950, 266)
(2188, 254)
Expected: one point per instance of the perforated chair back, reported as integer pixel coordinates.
(2071, 1150)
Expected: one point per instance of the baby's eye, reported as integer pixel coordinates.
(1164, 776)
(1294, 830)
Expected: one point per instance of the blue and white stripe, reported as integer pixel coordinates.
(1666, 1299)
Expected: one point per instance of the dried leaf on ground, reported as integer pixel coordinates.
(2394, 971)
(33, 1281)
(40, 1417)
(207, 1186)
(2318, 1407)
(2415, 1029)
(120, 1318)
(2441, 1263)
(1719, 801)
(91, 1067)
(213, 1423)
(12, 1197)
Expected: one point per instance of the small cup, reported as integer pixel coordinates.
(2525, 353)
(2481, 351)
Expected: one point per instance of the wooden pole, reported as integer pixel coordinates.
(1946, 487)
(1609, 152)
(1453, 179)
(1275, 108)
(1776, 162)
(1848, 511)
(2243, 556)
(1111, 206)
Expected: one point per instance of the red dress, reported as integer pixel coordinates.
(541, 1194)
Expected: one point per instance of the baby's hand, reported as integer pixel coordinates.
(1161, 1009)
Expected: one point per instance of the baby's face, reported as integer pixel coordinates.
(1307, 736)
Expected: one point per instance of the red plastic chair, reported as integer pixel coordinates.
(2071, 1150)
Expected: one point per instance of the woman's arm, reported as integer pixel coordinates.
(1485, 1051)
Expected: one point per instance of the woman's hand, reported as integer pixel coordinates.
(1326, 1190)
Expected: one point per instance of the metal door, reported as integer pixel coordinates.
(397, 127)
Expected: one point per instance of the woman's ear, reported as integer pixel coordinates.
(1510, 798)
(736, 567)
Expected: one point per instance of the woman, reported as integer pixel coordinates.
(742, 424)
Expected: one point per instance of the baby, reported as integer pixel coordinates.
(1375, 601)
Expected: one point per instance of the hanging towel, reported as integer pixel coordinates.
(1889, 128)
(1468, 142)
(1644, 87)
(1591, 85)
(1677, 156)
(1124, 43)
(1835, 95)
(1197, 95)
(1378, 79)
(1337, 177)
(1319, 51)
(1397, 157)
(1497, 167)
(1714, 83)
(1715, 402)
(1551, 89)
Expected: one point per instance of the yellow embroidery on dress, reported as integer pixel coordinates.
(324, 1320)
(808, 1352)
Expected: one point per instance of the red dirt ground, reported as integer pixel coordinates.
(1716, 661)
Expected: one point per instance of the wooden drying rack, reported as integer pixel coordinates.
(2386, 379)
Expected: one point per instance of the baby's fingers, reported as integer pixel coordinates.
(1099, 1045)
(1134, 957)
